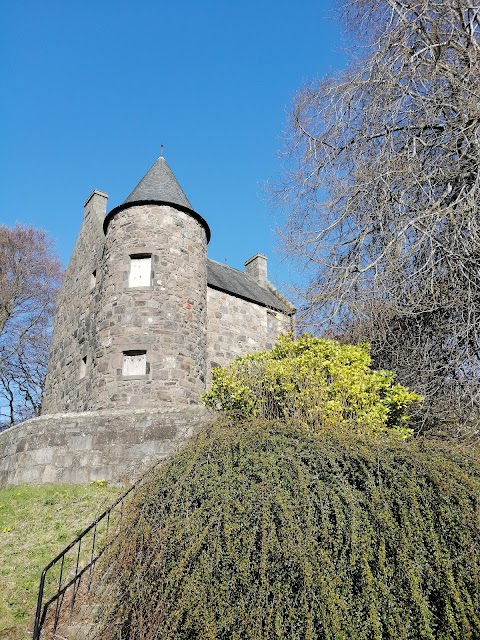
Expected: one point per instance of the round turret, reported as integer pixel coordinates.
(151, 305)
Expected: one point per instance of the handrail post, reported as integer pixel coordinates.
(38, 612)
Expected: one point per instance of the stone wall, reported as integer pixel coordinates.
(236, 327)
(76, 448)
(67, 387)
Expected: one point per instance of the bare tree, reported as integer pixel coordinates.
(383, 198)
(29, 279)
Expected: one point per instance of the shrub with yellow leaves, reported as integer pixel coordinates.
(316, 381)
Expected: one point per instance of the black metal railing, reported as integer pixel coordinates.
(74, 565)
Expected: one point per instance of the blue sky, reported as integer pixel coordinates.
(91, 89)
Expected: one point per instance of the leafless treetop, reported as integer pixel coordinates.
(383, 195)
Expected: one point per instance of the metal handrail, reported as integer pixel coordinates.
(42, 608)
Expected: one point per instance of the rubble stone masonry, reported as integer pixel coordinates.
(77, 448)
(74, 323)
(166, 319)
(236, 327)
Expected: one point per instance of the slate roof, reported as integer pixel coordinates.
(160, 184)
(224, 278)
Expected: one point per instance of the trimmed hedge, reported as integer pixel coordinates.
(268, 531)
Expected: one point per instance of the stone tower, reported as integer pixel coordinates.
(151, 318)
(130, 327)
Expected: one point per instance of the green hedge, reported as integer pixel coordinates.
(268, 531)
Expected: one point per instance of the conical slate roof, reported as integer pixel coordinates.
(159, 184)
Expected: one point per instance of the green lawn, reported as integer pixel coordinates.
(36, 523)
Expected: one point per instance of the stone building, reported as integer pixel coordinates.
(143, 315)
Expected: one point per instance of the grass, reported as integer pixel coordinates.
(36, 523)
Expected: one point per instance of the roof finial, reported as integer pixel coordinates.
(161, 151)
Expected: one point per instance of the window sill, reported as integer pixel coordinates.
(145, 288)
(146, 376)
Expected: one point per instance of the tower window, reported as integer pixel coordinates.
(83, 367)
(93, 279)
(140, 271)
(134, 363)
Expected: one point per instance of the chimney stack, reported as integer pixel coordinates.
(256, 268)
(97, 204)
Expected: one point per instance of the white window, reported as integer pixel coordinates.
(134, 363)
(140, 271)
(83, 367)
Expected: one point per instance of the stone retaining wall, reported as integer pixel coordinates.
(111, 445)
